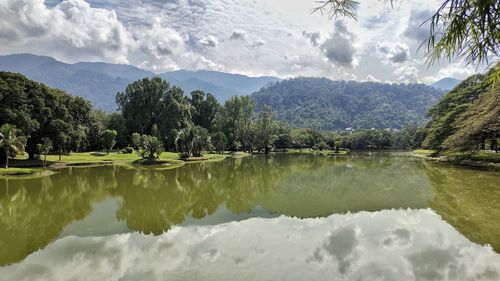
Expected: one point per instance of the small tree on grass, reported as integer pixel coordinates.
(109, 139)
(10, 140)
(200, 141)
(184, 142)
(44, 148)
(61, 141)
(337, 145)
(151, 148)
(136, 140)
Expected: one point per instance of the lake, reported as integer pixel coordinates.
(383, 216)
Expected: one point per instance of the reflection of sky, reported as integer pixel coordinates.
(384, 245)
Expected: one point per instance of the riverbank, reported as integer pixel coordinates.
(22, 166)
(315, 152)
(483, 159)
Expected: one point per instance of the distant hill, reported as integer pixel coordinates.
(99, 82)
(321, 103)
(446, 84)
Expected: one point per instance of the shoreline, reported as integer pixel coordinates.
(169, 160)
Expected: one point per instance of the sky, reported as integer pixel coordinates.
(280, 38)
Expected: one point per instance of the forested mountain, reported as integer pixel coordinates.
(99, 82)
(446, 84)
(321, 103)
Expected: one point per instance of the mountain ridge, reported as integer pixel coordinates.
(99, 82)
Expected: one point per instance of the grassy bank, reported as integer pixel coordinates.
(316, 152)
(21, 166)
(24, 172)
(481, 159)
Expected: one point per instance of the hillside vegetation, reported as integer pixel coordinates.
(324, 104)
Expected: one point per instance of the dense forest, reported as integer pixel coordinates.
(324, 104)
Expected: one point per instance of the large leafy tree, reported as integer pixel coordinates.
(11, 140)
(479, 123)
(39, 111)
(154, 103)
(204, 108)
(265, 129)
(450, 107)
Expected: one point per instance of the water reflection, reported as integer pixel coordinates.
(382, 245)
(34, 212)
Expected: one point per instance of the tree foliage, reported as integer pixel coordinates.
(11, 141)
(109, 139)
(323, 104)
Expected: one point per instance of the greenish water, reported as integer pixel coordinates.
(364, 192)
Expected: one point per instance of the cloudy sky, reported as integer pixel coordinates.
(253, 37)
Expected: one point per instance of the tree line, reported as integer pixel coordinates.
(154, 116)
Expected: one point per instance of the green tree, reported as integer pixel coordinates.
(151, 147)
(10, 140)
(265, 129)
(283, 142)
(219, 141)
(200, 141)
(479, 123)
(136, 140)
(184, 142)
(44, 148)
(203, 110)
(109, 139)
(450, 108)
(117, 122)
(41, 111)
(60, 143)
(153, 106)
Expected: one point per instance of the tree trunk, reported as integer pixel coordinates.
(494, 145)
(483, 144)
(44, 161)
(6, 158)
(266, 150)
(60, 152)
(107, 151)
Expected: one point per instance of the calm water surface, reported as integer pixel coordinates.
(281, 217)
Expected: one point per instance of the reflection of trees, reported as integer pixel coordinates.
(469, 200)
(346, 184)
(153, 201)
(34, 211)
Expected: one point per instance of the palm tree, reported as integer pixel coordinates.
(10, 140)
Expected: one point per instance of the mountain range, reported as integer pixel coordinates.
(99, 82)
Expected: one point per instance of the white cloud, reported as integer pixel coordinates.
(385, 245)
(393, 53)
(248, 37)
(209, 41)
(71, 30)
(339, 48)
(407, 74)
